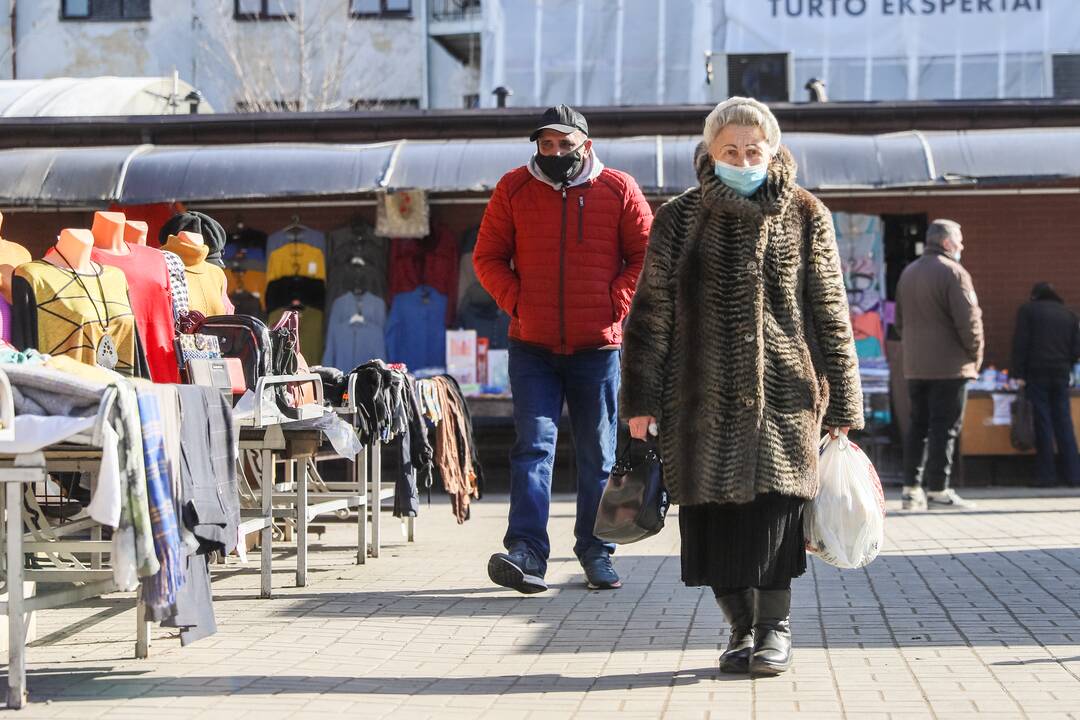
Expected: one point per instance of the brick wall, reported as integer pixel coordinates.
(1010, 243)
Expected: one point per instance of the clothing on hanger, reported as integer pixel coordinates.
(251, 281)
(309, 291)
(432, 261)
(295, 233)
(357, 258)
(355, 331)
(416, 329)
(296, 260)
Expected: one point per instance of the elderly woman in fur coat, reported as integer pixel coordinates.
(739, 349)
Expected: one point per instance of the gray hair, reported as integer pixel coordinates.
(940, 231)
(745, 112)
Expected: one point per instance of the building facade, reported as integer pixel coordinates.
(389, 54)
(248, 55)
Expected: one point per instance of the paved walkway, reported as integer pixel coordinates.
(964, 615)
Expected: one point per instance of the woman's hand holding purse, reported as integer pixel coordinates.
(643, 426)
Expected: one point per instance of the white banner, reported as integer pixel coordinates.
(902, 28)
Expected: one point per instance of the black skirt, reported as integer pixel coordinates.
(756, 544)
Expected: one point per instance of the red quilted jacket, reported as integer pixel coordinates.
(564, 263)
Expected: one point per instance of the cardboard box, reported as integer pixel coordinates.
(499, 369)
(461, 355)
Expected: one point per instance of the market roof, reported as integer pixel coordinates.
(516, 122)
(662, 165)
(97, 96)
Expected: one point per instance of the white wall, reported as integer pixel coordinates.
(359, 58)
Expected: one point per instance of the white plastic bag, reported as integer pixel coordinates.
(845, 523)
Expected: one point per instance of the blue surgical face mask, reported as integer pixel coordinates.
(743, 180)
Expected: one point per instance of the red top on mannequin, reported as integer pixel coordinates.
(148, 288)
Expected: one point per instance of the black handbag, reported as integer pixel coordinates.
(1022, 429)
(635, 501)
(239, 336)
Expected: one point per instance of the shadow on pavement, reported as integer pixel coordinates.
(89, 684)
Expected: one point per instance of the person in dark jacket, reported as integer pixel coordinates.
(560, 249)
(1045, 346)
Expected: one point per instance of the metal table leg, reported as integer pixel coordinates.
(16, 695)
(142, 629)
(360, 481)
(375, 499)
(266, 477)
(301, 478)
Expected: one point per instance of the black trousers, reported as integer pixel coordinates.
(937, 413)
(1054, 426)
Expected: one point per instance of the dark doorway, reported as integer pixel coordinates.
(904, 236)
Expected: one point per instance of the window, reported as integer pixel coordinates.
(1066, 73)
(889, 79)
(385, 104)
(1024, 75)
(761, 76)
(937, 77)
(105, 9)
(264, 106)
(264, 9)
(980, 77)
(471, 101)
(381, 8)
(846, 79)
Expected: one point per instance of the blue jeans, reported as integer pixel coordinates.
(540, 380)
(1053, 425)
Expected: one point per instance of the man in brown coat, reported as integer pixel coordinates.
(940, 324)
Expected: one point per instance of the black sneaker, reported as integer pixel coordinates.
(518, 570)
(599, 572)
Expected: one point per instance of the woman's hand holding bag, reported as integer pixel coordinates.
(845, 523)
(635, 501)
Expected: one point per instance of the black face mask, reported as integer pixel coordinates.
(560, 168)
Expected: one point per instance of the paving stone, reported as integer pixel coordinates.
(964, 614)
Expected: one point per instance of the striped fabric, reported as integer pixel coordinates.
(159, 591)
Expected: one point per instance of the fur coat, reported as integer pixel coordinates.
(739, 340)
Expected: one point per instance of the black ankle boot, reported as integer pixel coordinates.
(738, 610)
(772, 633)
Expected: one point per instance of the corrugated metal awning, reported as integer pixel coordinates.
(241, 172)
(662, 165)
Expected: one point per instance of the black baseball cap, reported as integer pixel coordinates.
(561, 118)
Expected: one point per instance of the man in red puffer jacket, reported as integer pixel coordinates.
(560, 249)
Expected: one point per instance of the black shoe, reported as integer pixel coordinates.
(738, 610)
(772, 633)
(518, 570)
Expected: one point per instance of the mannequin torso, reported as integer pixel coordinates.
(151, 299)
(206, 281)
(66, 304)
(108, 230)
(135, 232)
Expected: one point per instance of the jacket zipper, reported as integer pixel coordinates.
(562, 277)
(581, 219)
